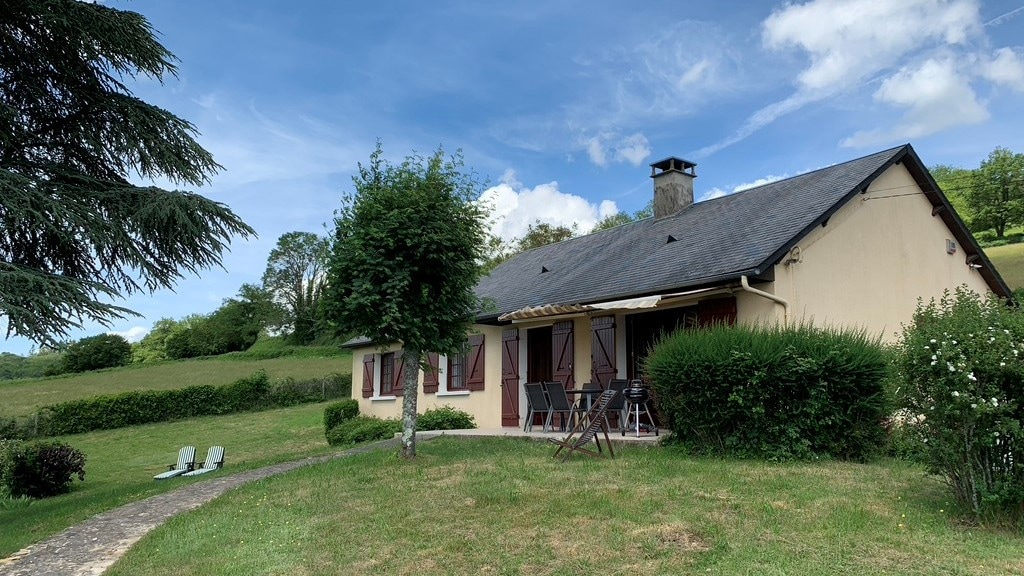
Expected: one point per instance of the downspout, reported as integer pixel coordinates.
(763, 294)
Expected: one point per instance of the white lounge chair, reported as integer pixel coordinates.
(186, 462)
(214, 460)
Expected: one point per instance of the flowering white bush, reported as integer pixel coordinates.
(962, 366)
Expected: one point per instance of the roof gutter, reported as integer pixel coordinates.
(777, 299)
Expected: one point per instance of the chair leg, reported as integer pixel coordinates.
(528, 425)
(547, 423)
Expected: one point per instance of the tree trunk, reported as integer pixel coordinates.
(412, 373)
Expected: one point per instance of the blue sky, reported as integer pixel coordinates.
(561, 105)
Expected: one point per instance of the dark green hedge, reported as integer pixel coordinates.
(771, 392)
(144, 407)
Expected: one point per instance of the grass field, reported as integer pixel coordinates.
(502, 506)
(121, 463)
(1009, 261)
(22, 397)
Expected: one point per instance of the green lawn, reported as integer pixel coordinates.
(22, 397)
(1009, 260)
(121, 463)
(503, 506)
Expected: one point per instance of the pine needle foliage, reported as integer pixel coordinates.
(76, 233)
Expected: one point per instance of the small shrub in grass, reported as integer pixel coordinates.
(445, 418)
(772, 392)
(38, 470)
(962, 364)
(338, 412)
(362, 429)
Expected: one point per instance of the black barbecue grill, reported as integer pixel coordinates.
(637, 396)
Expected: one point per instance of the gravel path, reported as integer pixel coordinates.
(91, 547)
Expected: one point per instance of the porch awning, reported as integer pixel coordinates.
(546, 310)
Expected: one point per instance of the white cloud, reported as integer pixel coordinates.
(633, 149)
(844, 53)
(515, 207)
(608, 146)
(133, 334)
(1005, 68)
(595, 150)
(759, 182)
(717, 192)
(937, 96)
(850, 40)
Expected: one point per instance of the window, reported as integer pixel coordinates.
(457, 371)
(387, 374)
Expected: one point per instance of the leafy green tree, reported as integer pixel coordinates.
(997, 194)
(406, 257)
(97, 352)
(74, 231)
(295, 279)
(956, 183)
(153, 346)
(542, 233)
(620, 218)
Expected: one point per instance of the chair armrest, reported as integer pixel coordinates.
(202, 464)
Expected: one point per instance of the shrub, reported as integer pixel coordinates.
(97, 352)
(338, 412)
(245, 394)
(445, 418)
(362, 429)
(38, 470)
(962, 363)
(772, 392)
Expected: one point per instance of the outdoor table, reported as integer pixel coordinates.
(588, 394)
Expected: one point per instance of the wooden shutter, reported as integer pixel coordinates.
(475, 363)
(602, 350)
(430, 377)
(562, 353)
(510, 377)
(367, 375)
(398, 385)
(716, 311)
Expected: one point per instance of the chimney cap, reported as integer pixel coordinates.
(673, 164)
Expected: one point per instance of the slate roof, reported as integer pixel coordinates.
(716, 241)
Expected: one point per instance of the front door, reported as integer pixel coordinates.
(538, 354)
(510, 377)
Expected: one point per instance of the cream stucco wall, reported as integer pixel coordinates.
(484, 405)
(870, 263)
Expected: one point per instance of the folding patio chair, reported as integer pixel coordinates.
(186, 462)
(536, 403)
(214, 460)
(587, 428)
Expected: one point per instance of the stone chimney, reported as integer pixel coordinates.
(673, 185)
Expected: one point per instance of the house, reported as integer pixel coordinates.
(855, 244)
